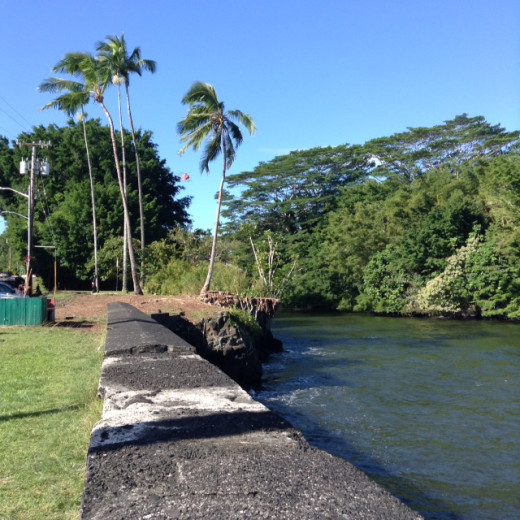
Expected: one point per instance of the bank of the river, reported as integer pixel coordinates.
(428, 408)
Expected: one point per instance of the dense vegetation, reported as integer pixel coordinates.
(422, 222)
(63, 204)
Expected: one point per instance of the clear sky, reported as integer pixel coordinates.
(309, 72)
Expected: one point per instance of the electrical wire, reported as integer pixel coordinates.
(46, 209)
(23, 126)
(14, 109)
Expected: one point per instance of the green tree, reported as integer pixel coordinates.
(74, 97)
(293, 192)
(63, 199)
(122, 64)
(418, 150)
(207, 120)
(96, 80)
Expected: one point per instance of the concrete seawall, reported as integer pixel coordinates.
(179, 439)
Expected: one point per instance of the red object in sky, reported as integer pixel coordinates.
(185, 177)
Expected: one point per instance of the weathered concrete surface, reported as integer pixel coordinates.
(179, 439)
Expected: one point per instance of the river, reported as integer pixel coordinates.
(430, 409)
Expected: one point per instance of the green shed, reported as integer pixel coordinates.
(23, 311)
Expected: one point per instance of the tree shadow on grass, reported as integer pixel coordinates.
(25, 415)
(82, 324)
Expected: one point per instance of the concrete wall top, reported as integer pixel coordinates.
(179, 439)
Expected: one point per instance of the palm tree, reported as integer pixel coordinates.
(110, 62)
(96, 80)
(114, 53)
(74, 98)
(207, 120)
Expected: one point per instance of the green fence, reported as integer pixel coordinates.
(23, 311)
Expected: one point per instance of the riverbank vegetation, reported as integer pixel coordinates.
(423, 222)
(48, 407)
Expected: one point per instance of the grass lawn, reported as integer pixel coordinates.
(48, 405)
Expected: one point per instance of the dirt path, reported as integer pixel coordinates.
(88, 311)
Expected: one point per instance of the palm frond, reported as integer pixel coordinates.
(149, 65)
(206, 119)
(195, 138)
(201, 93)
(69, 103)
(244, 119)
(234, 132)
(53, 85)
(113, 54)
(211, 151)
(230, 150)
(72, 63)
(195, 119)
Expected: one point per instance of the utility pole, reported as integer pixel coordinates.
(36, 167)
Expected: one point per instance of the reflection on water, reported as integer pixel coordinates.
(428, 408)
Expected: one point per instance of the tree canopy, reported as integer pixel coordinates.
(62, 209)
(421, 222)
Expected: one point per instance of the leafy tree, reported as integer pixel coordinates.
(414, 152)
(493, 281)
(74, 97)
(207, 119)
(385, 282)
(62, 199)
(293, 192)
(449, 291)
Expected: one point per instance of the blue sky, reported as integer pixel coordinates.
(309, 72)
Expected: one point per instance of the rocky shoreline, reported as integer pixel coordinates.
(236, 348)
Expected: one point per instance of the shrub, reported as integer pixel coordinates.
(183, 277)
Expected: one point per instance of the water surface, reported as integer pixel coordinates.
(428, 408)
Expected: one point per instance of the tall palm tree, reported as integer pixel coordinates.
(96, 80)
(110, 62)
(73, 100)
(207, 120)
(115, 54)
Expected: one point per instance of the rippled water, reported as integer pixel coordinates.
(428, 408)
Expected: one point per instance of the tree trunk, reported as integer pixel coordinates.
(207, 283)
(94, 226)
(137, 287)
(139, 186)
(124, 285)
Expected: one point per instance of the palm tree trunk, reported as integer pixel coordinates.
(139, 186)
(94, 226)
(137, 287)
(124, 285)
(207, 283)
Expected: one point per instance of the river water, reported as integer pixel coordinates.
(430, 409)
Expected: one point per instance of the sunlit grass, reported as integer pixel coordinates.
(48, 382)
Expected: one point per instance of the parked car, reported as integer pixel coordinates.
(6, 291)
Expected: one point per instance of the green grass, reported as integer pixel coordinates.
(48, 382)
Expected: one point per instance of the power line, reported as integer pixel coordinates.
(46, 209)
(4, 129)
(14, 109)
(11, 117)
